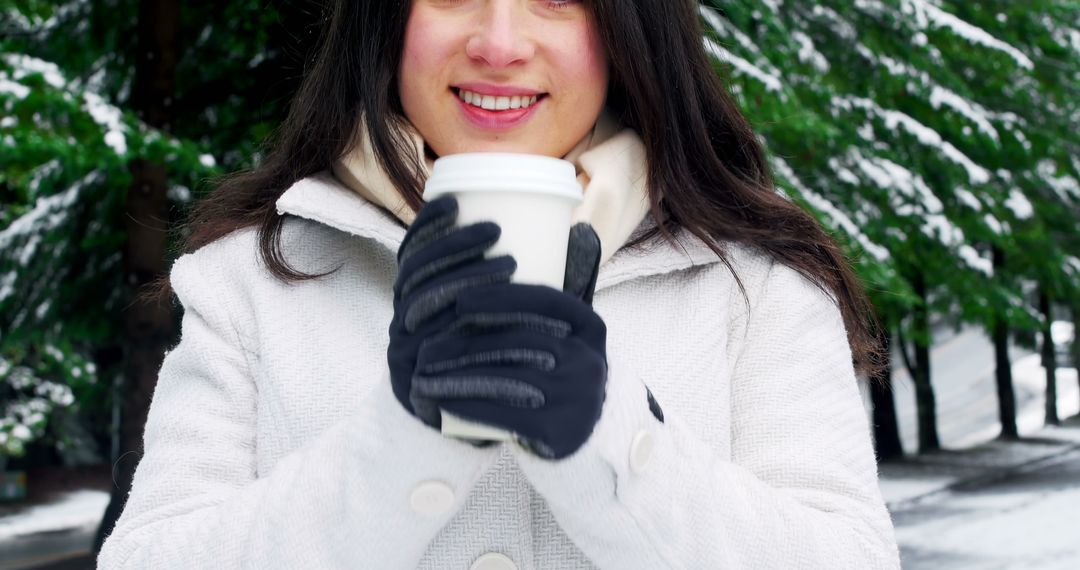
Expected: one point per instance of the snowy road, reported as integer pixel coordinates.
(1026, 520)
(50, 533)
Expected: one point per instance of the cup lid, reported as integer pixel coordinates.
(503, 172)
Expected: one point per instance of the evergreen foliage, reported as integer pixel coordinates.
(67, 135)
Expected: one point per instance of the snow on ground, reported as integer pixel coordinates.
(967, 416)
(1047, 522)
(1022, 521)
(78, 509)
(1029, 376)
(963, 381)
(1061, 332)
(899, 489)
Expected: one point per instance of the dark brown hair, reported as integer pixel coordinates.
(707, 171)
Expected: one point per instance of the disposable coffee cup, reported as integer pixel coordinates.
(532, 198)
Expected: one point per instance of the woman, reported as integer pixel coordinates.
(689, 399)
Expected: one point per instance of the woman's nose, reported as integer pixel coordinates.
(501, 37)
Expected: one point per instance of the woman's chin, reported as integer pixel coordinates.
(495, 147)
(469, 144)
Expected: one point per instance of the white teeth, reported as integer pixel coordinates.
(493, 103)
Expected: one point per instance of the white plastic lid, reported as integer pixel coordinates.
(503, 172)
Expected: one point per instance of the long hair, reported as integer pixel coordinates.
(707, 171)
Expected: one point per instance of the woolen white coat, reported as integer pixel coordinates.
(273, 439)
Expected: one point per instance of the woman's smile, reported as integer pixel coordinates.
(486, 110)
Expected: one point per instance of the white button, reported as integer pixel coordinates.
(432, 498)
(493, 561)
(641, 451)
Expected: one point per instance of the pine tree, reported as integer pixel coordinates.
(925, 134)
(71, 131)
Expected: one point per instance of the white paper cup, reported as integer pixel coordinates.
(532, 198)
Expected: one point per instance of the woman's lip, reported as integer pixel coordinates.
(497, 120)
(496, 90)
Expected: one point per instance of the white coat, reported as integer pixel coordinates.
(273, 439)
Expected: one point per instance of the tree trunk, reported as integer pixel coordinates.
(886, 430)
(1005, 393)
(1075, 310)
(924, 391)
(1049, 361)
(148, 325)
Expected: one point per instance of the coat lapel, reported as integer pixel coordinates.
(323, 199)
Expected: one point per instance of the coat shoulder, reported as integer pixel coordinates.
(227, 257)
(761, 271)
(303, 245)
(751, 262)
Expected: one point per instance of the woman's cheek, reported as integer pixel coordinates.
(586, 49)
(427, 40)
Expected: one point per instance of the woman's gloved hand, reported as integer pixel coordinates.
(528, 359)
(436, 261)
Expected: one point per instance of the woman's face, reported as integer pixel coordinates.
(500, 54)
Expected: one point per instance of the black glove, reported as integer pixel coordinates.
(436, 261)
(528, 359)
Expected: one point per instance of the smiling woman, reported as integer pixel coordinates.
(493, 52)
(688, 399)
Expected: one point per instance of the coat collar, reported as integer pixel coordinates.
(324, 199)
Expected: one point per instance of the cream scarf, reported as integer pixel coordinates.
(610, 164)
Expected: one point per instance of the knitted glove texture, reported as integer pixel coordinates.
(529, 359)
(436, 261)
